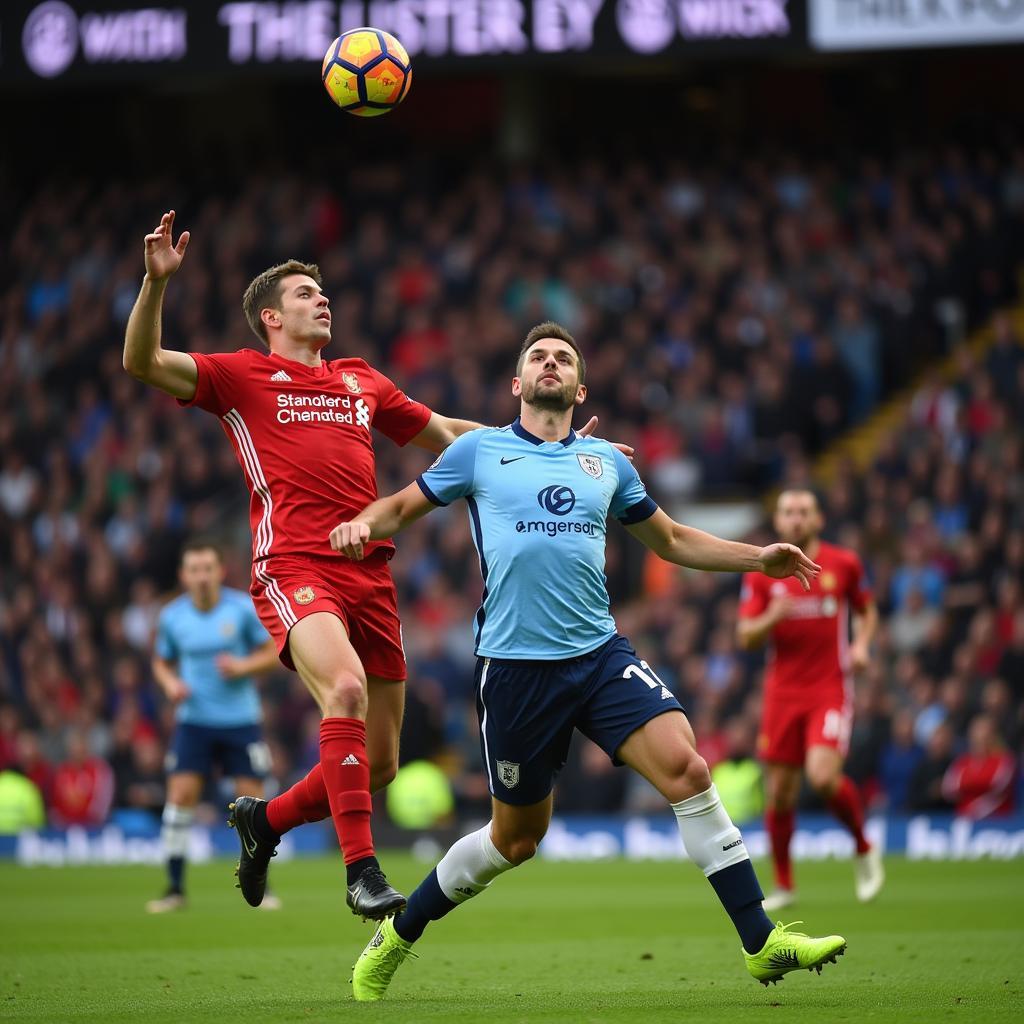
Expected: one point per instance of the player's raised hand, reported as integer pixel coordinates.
(782, 560)
(350, 539)
(163, 257)
(590, 426)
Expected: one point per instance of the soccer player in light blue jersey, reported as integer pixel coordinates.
(550, 659)
(209, 645)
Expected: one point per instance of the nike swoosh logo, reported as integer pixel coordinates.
(505, 462)
(250, 846)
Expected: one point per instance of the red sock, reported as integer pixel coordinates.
(848, 807)
(780, 826)
(346, 772)
(305, 801)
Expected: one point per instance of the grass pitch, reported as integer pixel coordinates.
(606, 942)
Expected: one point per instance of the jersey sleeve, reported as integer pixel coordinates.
(753, 595)
(165, 647)
(453, 472)
(397, 416)
(859, 593)
(219, 378)
(630, 503)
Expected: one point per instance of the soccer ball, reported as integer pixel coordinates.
(367, 72)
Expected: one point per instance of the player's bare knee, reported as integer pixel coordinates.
(519, 850)
(823, 782)
(688, 777)
(382, 774)
(344, 696)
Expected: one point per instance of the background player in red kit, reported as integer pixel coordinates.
(300, 427)
(808, 687)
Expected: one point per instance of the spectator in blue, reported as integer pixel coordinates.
(900, 758)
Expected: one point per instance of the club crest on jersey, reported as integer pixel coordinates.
(508, 772)
(304, 595)
(227, 630)
(351, 381)
(591, 465)
(828, 581)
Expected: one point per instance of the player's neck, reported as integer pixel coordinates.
(546, 424)
(297, 351)
(205, 606)
(811, 547)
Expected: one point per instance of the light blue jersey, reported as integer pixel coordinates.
(539, 511)
(194, 638)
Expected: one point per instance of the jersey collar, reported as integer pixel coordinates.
(521, 431)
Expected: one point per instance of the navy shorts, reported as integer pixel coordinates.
(238, 750)
(528, 710)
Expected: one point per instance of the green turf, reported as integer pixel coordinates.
(610, 942)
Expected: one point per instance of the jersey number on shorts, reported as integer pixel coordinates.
(259, 757)
(649, 676)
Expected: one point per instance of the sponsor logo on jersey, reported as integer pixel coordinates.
(591, 465)
(280, 376)
(304, 595)
(322, 409)
(508, 772)
(351, 381)
(557, 499)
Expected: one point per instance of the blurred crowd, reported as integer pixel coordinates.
(736, 319)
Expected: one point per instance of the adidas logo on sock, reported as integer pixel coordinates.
(281, 376)
(351, 759)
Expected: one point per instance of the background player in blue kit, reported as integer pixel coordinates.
(209, 644)
(550, 660)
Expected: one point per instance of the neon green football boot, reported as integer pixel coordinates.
(376, 966)
(786, 951)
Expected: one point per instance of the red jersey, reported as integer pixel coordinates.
(82, 793)
(981, 787)
(302, 437)
(809, 649)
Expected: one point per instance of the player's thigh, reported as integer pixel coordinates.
(516, 830)
(527, 711)
(782, 785)
(184, 789)
(327, 662)
(664, 752)
(385, 709)
(824, 766)
(190, 752)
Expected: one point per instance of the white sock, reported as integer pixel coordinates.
(470, 866)
(177, 824)
(712, 841)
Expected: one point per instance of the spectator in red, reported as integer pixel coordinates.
(83, 786)
(981, 782)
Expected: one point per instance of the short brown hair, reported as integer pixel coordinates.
(549, 329)
(201, 544)
(264, 292)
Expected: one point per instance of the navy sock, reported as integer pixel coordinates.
(428, 903)
(738, 889)
(357, 867)
(176, 874)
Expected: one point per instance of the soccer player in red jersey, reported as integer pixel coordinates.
(808, 688)
(300, 427)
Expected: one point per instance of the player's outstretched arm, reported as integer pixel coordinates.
(384, 518)
(144, 358)
(440, 431)
(696, 549)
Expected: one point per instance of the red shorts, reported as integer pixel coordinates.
(789, 728)
(287, 588)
